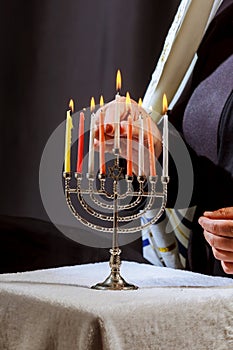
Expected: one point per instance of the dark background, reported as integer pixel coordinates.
(53, 50)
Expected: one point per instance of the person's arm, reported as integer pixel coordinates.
(180, 187)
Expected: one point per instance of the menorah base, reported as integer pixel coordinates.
(114, 281)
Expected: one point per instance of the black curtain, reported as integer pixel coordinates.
(52, 50)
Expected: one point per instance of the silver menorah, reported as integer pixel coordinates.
(114, 207)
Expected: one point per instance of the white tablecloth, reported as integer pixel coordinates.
(172, 309)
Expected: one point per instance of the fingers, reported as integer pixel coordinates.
(223, 255)
(223, 213)
(109, 131)
(222, 248)
(122, 109)
(217, 227)
(227, 267)
(219, 234)
(135, 131)
(219, 242)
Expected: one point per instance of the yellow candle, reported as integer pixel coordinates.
(69, 127)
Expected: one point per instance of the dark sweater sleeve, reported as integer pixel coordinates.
(181, 171)
(211, 184)
(225, 137)
(214, 182)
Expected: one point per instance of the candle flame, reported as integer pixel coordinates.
(164, 104)
(118, 80)
(92, 104)
(140, 102)
(101, 101)
(71, 105)
(128, 100)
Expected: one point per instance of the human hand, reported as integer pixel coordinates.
(124, 111)
(218, 231)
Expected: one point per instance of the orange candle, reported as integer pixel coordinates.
(102, 143)
(80, 143)
(151, 148)
(129, 146)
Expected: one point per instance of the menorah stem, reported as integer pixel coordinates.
(115, 263)
(115, 216)
(114, 281)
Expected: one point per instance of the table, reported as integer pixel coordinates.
(172, 309)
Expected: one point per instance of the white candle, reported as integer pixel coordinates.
(141, 147)
(117, 124)
(165, 145)
(91, 145)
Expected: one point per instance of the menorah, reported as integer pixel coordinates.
(108, 203)
(114, 281)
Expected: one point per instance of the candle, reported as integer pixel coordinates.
(80, 143)
(165, 137)
(117, 114)
(102, 139)
(151, 148)
(69, 127)
(129, 146)
(141, 147)
(91, 139)
(129, 136)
